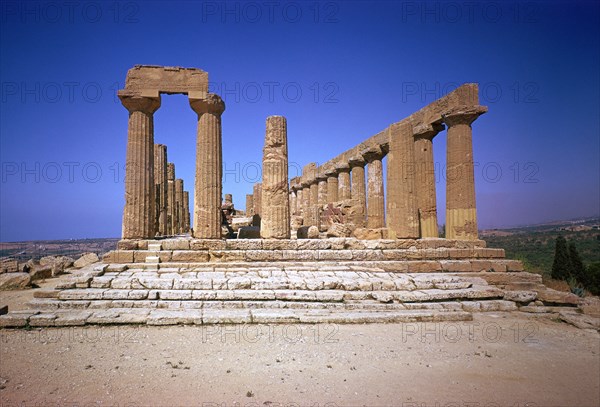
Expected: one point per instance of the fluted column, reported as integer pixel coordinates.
(275, 220)
(179, 205)
(139, 212)
(305, 201)
(461, 211)
(425, 178)
(322, 190)
(344, 188)
(402, 210)
(186, 212)
(257, 199)
(171, 202)
(359, 195)
(293, 201)
(160, 180)
(332, 186)
(375, 201)
(249, 205)
(209, 166)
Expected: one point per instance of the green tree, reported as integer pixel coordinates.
(561, 267)
(577, 268)
(592, 278)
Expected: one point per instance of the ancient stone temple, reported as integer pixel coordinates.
(376, 255)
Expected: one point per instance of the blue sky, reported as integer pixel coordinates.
(339, 71)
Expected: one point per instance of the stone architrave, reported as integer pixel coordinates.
(359, 195)
(257, 198)
(461, 211)
(179, 205)
(402, 210)
(160, 180)
(249, 205)
(171, 202)
(375, 193)
(425, 178)
(139, 212)
(275, 219)
(344, 187)
(209, 166)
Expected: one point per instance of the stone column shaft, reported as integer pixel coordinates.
(179, 205)
(171, 202)
(258, 199)
(275, 219)
(332, 188)
(209, 167)
(322, 191)
(376, 204)
(293, 201)
(344, 187)
(249, 205)
(160, 180)
(139, 212)
(402, 210)
(425, 179)
(359, 194)
(186, 212)
(461, 210)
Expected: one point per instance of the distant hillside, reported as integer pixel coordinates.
(24, 251)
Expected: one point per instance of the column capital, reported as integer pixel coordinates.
(463, 115)
(331, 172)
(211, 103)
(372, 153)
(342, 167)
(143, 104)
(427, 131)
(357, 161)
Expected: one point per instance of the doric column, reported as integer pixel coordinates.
(461, 212)
(275, 220)
(179, 205)
(425, 178)
(376, 202)
(186, 212)
(344, 188)
(257, 199)
(209, 166)
(402, 210)
(314, 192)
(160, 180)
(139, 212)
(171, 202)
(305, 201)
(332, 185)
(322, 190)
(293, 200)
(299, 201)
(249, 205)
(359, 195)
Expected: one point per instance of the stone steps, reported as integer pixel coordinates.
(221, 316)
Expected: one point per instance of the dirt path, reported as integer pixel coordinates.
(506, 359)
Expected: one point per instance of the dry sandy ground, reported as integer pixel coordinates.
(496, 360)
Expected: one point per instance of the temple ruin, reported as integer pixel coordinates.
(332, 245)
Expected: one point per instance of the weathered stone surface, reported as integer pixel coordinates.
(209, 170)
(85, 260)
(14, 281)
(520, 296)
(58, 264)
(275, 214)
(339, 230)
(9, 266)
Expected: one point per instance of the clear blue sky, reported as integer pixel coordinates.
(339, 71)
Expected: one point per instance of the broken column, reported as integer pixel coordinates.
(461, 212)
(171, 202)
(209, 166)
(344, 188)
(376, 205)
(249, 205)
(160, 180)
(402, 210)
(257, 198)
(357, 165)
(425, 178)
(275, 219)
(139, 212)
